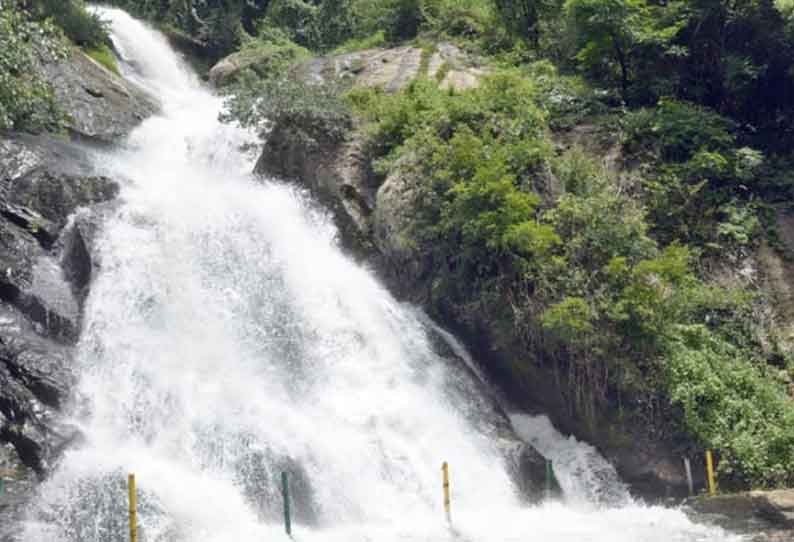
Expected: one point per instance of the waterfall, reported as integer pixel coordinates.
(584, 476)
(227, 339)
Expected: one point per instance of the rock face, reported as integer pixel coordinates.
(370, 217)
(45, 269)
(101, 106)
(390, 69)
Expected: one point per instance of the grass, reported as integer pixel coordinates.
(104, 56)
(375, 41)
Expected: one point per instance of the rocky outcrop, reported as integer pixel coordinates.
(337, 173)
(767, 515)
(390, 69)
(45, 268)
(100, 105)
(370, 215)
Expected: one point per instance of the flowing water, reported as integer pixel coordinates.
(227, 338)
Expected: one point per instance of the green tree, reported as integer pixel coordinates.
(521, 17)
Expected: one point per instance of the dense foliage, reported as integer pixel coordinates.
(611, 271)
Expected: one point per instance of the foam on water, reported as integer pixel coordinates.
(226, 338)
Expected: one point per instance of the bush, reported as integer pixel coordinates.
(676, 131)
(271, 54)
(26, 101)
(315, 113)
(732, 403)
(296, 18)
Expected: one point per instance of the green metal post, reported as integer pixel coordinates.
(2, 486)
(285, 494)
(549, 477)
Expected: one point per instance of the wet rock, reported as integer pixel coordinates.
(75, 250)
(776, 506)
(337, 173)
(35, 379)
(402, 262)
(765, 515)
(47, 192)
(43, 181)
(100, 105)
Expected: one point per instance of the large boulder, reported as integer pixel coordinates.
(100, 105)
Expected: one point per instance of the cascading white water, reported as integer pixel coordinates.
(584, 476)
(227, 338)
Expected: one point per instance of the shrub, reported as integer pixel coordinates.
(26, 101)
(315, 113)
(271, 54)
(677, 131)
(733, 404)
(298, 19)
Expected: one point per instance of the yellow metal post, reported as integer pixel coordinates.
(710, 472)
(133, 509)
(445, 470)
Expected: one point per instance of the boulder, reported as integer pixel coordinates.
(222, 72)
(337, 173)
(402, 262)
(100, 105)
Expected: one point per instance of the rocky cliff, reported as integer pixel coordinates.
(50, 200)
